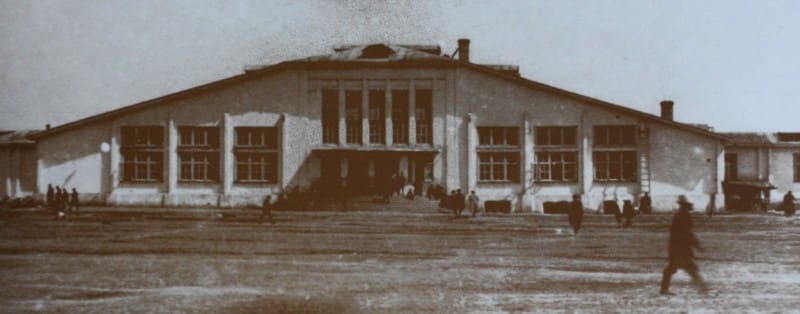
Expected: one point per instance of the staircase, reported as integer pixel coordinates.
(370, 203)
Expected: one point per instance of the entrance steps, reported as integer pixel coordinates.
(370, 203)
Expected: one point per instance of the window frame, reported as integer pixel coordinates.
(503, 153)
(147, 153)
(552, 153)
(400, 115)
(201, 152)
(733, 166)
(330, 116)
(264, 151)
(423, 115)
(377, 125)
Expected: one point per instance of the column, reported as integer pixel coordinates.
(115, 158)
(342, 121)
(388, 110)
(283, 143)
(527, 166)
(227, 154)
(364, 112)
(586, 167)
(171, 156)
(472, 164)
(412, 113)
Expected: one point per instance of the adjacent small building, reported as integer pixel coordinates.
(17, 164)
(760, 167)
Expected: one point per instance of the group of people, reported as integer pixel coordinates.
(457, 202)
(60, 201)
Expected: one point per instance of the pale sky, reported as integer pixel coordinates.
(730, 64)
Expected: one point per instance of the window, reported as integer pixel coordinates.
(556, 154)
(498, 136)
(614, 153)
(428, 172)
(797, 167)
(353, 116)
(256, 153)
(377, 122)
(615, 135)
(198, 154)
(556, 136)
(142, 153)
(614, 165)
(498, 167)
(400, 116)
(424, 116)
(498, 154)
(330, 116)
(732, 167)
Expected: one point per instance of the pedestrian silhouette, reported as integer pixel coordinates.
(575, 214)
(682, 241)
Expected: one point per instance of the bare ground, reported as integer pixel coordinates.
(332, 262)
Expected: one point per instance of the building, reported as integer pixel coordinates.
(760, 166)
(17, 164)
(360, 115)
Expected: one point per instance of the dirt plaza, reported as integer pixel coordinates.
(143, 260)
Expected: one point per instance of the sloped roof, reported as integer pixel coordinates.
(394, 54)
(755, 139)
(17, 137)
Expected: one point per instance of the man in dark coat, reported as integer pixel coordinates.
(460, 202)
(788, 204)
(50, 194)
(645, 204)
(73, 201)
(266, 210)
(575, 214)
(628, 212)
(682, 241)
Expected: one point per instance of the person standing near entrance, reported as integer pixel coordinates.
(645, 204)
(682, 241)
(628, 212)
(266, 210)
(73, 202)
(575, 214)
(472, 203)
(788, 204)
(49, 198)
(460, 202)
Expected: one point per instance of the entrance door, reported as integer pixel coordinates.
(358, 175)
(423, 174)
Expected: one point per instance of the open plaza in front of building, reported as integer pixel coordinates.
(153, 260)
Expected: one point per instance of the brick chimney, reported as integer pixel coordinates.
(463, 50)
(666, 110)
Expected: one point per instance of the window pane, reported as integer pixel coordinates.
(570, 135)
(542, 136)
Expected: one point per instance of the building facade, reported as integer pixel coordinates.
(363, 114)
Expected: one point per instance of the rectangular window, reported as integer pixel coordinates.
(198, 154)
(353, 116)
(797, 167)
(615, 165)
(330, 116)
(498, 167)
(142, 150)
(732, 167)
(424, 116)
(256, 153)
(556, 154)
(498, 136)
(614, 135)
(377, 119)
(556, 136)
(400, 116)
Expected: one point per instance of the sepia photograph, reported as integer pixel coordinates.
(431, 156)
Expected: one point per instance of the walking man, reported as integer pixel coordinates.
(472, 202)
(575, 214)
(266, 210)
(681, 243)
(460, 203)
